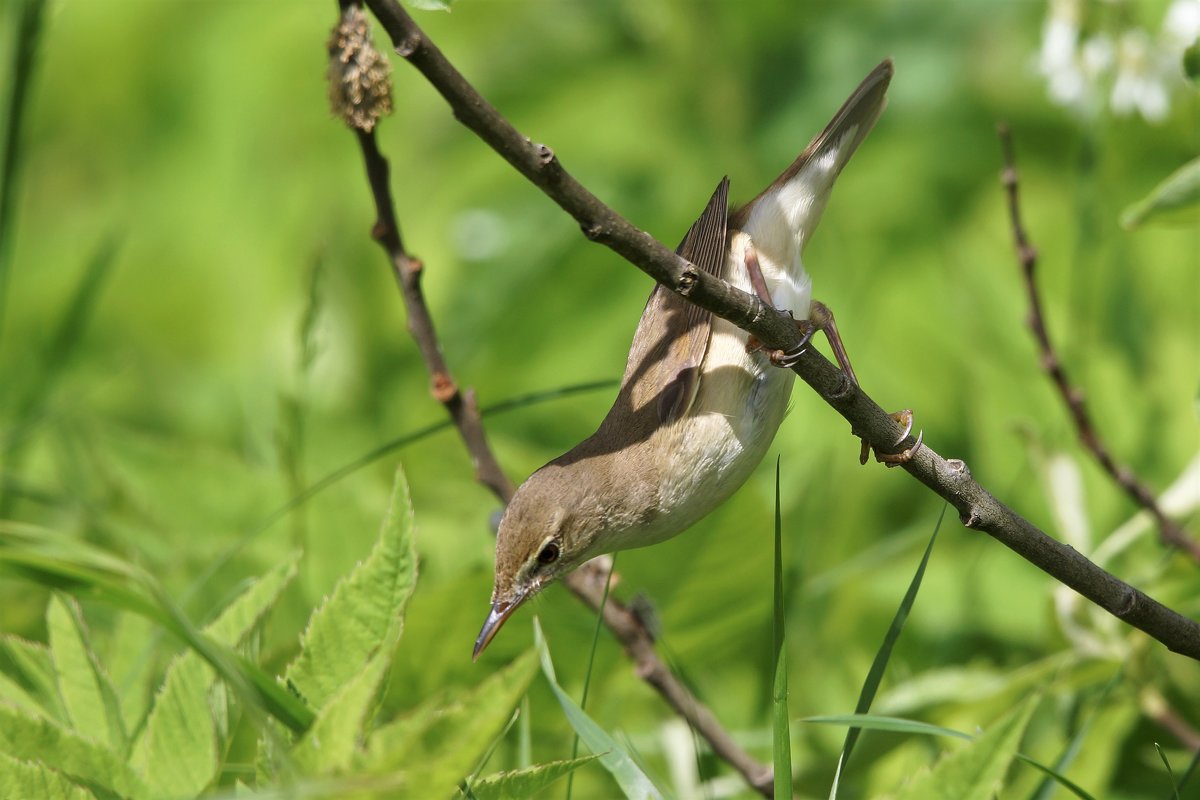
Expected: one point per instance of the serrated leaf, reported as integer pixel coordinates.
(1176, 199)
(31, 669)
(438, 745)
(178, 752)
(32, 779)
(976, 771)
(621, 766)
(330, 745)
(88, 694)
(520, 784)
(130, 662)
(364, 613)
(34, 739)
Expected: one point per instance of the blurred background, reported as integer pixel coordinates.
(196, 325)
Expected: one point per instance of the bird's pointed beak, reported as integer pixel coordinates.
(501, 611)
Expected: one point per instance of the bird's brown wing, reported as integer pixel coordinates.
(672, 337)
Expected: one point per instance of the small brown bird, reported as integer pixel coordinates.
(700, 401)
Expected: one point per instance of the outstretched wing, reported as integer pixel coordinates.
(672, 337)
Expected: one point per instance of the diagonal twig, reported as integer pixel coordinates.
(951, 480)
(586, 584)
(1169, 531)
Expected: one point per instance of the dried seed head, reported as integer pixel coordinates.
(360, 89)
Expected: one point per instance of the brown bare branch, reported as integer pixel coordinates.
(951, 480)
(588, 583)
(1169, 531)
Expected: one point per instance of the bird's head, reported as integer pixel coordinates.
(541, 537)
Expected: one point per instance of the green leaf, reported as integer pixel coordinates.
(30, 681)
(88, 694)
(179, 749)
(976, 771)
(875, 722)
(1176, 199)
(33, 739)
(330, 745)
(519, 784)
(31, 779)
(883, 655)
(621, 766)
(781, 728)
(365, 612)
(438, 745)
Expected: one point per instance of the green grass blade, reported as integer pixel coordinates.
(1057, 777)
(613, 757)
(1170, 772)
(587, 675)
(67, 335)
(879, 665)
(782, 734)
(1189, 772)
(24, 47)
(875, 722)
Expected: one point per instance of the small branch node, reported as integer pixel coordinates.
(411, 267)
(1129, 601)
(594, 231)
(687, 280)
(545, 155)
(407, 46)
(443, 388)
(844, 387)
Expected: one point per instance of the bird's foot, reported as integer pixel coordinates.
(904, 418)
(786, 359)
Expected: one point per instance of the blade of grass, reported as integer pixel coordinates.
(67, 335)
(1189, 772)
(27, 35)
(616, 760)
(879, 665)
(1170, 772)
(587, 675)
(782, 736)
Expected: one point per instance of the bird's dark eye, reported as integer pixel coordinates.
(548, 554)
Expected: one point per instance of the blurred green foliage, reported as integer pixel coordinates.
(198, 325)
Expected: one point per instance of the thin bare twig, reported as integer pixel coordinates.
(1171, 533)
(951, 480)
(587, 584)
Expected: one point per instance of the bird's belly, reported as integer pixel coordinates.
(710, 453)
